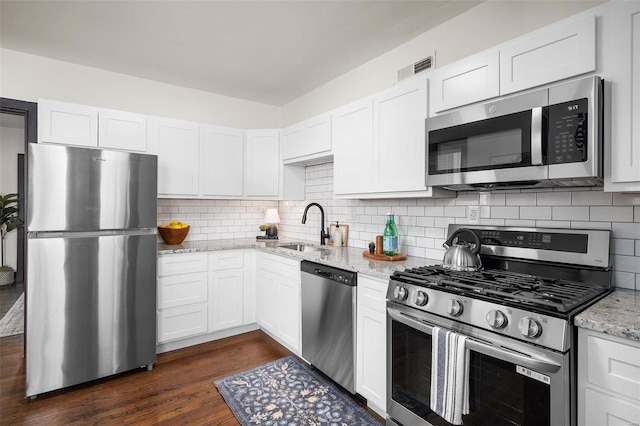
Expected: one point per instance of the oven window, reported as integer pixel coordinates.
(498, 395)
(494, 143)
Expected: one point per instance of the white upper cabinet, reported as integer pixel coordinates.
(177, 144)
(352, 136)
(556, 52)
(222, 161)
(262, 163)
(379, 144)
(464, 82)
(122, 130)
(67, 124)
(308, 142)
(621, 67)
(399, 114)
(81, 125)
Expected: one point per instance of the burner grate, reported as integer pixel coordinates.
(546, 293)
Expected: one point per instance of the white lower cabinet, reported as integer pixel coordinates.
(278, 283)
(371, 342)
(608, 380)
(182, 296)
(226, 279)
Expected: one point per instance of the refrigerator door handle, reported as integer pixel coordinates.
(91, 234)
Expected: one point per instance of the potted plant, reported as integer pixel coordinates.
(8, 222)
(263, 229)
(372, 247)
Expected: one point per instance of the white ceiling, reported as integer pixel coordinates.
(265, 51)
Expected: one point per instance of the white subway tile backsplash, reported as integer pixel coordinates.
(541, 213)
(570, 213)
(521, 199)
(611, 214)
(553, 198)
(591, 198)
(423, 222)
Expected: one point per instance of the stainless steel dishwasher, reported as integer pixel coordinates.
(329, 321)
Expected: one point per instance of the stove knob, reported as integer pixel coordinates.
(530, 327)
(496, 319)
(421, 298)
(455, 308)
(400, 292)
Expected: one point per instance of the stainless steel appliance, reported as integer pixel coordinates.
(517, 314)
(549, 137)
(91, 265)
(329, 321)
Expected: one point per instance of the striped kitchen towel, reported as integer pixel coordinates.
(449, 375)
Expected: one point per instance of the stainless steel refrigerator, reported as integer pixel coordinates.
(91, 265)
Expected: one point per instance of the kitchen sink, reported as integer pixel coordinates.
(304, 248)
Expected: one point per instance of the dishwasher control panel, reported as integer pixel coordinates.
(329, 272)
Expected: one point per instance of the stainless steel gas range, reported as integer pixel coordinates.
(516, 317)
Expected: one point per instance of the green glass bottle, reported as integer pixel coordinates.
(390, 237)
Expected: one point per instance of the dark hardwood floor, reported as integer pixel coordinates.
(178, 391)
(8, 296)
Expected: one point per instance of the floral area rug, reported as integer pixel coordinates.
(13, 322)
(288, 392)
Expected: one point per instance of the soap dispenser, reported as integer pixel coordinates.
(337, 236)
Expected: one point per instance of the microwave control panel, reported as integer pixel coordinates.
(568, 125)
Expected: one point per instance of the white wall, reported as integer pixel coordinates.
(482, 27)
(29, 77)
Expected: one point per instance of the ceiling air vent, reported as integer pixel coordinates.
(414, 69)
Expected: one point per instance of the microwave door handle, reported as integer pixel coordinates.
(536, 136)
(536, 362)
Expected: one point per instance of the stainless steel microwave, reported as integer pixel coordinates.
(551, 137)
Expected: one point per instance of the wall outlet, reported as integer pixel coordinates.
(473, 214)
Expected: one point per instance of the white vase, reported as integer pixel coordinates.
(6, 277)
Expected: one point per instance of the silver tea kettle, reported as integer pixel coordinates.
(460, 255)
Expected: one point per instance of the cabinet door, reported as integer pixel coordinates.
(551, 54)
(122, 130)
(177, 145)
(267, 303)
(67, 124)
(621, 66)
(464, 82)
(604, 410)
(288, 322)
(181, 290)
(293, 142)
(227, 299)
(352, 135)
(262, 163)
(318, 135)
(399, 137)
(371, 343)
(222, 161)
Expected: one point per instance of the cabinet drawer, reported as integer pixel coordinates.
(372, 293)
(226, 259)
(613, 366)
(182, 264)
(183, 321)
(180, 290)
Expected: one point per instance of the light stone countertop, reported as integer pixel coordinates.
(349, 258)
(618, 314)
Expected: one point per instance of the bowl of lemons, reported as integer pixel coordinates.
(174, 233)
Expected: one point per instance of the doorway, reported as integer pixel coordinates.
(18, 127)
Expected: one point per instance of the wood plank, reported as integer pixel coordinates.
(179, 390)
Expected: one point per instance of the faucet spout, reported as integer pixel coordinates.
(323, 235)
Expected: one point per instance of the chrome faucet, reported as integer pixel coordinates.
(323, 235)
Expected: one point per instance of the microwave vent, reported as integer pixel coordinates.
(413, 69)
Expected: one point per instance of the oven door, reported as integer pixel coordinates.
(511, 382)
(502, 141)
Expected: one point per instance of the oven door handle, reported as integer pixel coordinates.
(537, 361)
